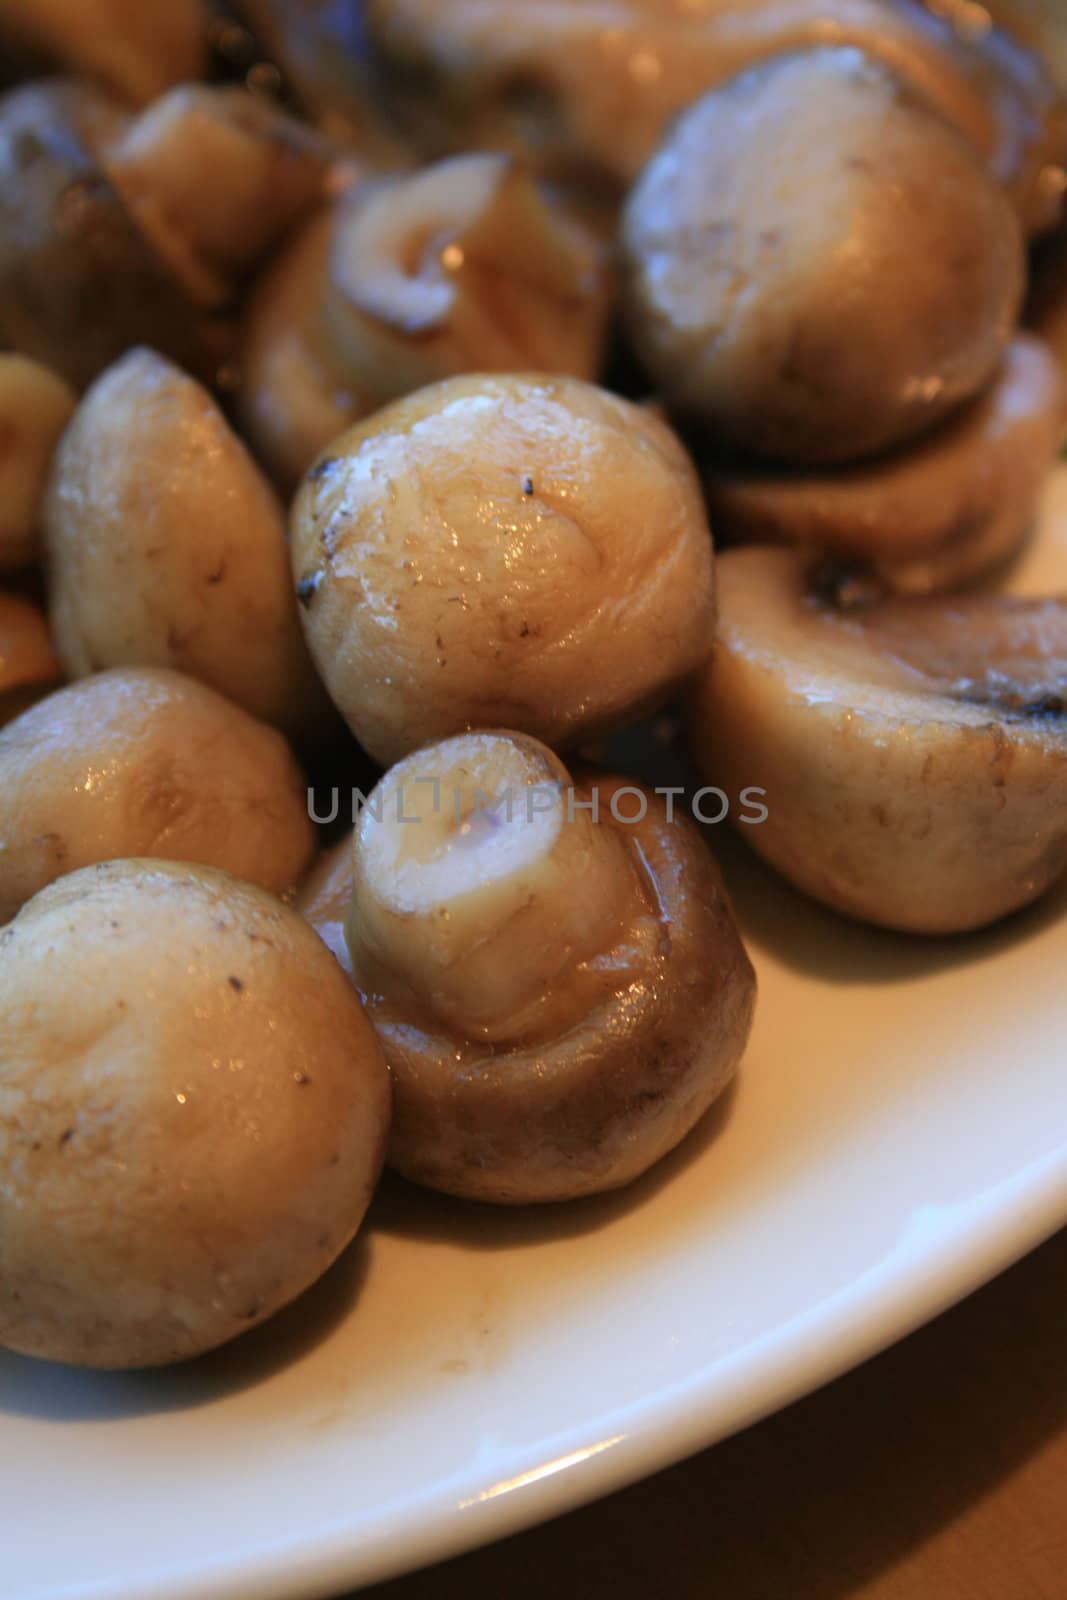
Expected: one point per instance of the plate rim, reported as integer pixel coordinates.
(564, 1473)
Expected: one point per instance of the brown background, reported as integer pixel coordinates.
(937, 1471)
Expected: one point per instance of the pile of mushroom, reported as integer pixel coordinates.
(308, 471)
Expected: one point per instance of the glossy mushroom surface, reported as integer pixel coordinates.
(818, 268)
(553, 970)
(521, 551)
(937, 514)
(913, 752)
(185, 1145)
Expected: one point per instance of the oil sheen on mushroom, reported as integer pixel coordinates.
(553, 970)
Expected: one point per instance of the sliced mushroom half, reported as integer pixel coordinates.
(913, 752)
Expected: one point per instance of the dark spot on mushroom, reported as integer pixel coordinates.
(65, 1137)
(524, 631)
(303, 1079)
(527, 485)
(308, 587)
(218, 574)
(236, 985)
(253, 1311)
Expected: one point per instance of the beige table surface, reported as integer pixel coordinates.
(938, 1471)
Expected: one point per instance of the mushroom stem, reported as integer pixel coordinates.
(482, 886)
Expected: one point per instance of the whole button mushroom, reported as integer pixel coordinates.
(553, 970)
(145, 762)
(818, 267)
(464, 267)
(518, 551)
(934, 515)
(193, 1114)
(166, 547)
(913, 751)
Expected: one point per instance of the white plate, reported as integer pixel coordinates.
(898, 1135)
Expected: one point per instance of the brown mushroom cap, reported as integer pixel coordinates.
(519, 551)
(913, 752)
(186, 1141)
(934, 515)
(593, 1108)
(818, 267)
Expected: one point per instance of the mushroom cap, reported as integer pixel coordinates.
(818, 267)
(145, 762)
(185, 1145)
(913, 752)
(594, 1108)
(934, 515)
(502, 551)
(166, 547)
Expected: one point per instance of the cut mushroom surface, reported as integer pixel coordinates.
(817, 266)
(553, 970)
(144, 762)
(166, 547)
(937, 514)
(521, 551)
(79, 281)
(215, 177)
(913, 751)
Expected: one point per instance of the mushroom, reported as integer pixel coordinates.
(560, 997)
(134, 50)
(79, 281)
(517, 550)
(463, 267)
(913, 751)
(28, 665)
(144, 762)
(587, 89)
(214, 177)
(934, 515)
(316, 55)
(166, 547)
(324, 898)
(35, 407)
(193, 1112)
(818, 267)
